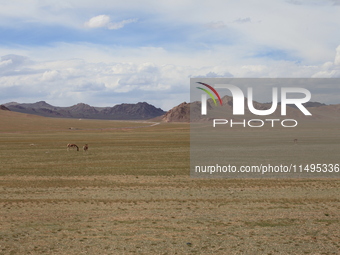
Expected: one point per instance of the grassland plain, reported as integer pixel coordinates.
(132, 194)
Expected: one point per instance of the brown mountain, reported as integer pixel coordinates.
(139, 111)
(4, 108)
(180, 113)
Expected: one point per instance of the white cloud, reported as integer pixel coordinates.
(98, 21)
(50, 76)
(73, 81)
(105, 21)
(121, 24)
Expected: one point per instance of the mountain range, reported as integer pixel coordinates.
(179, 113)
(139, 111)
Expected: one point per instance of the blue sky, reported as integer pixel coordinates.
(110, 52)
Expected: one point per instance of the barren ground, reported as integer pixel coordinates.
(132, 194)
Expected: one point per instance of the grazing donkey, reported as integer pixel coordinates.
(72, 145)
(85, 147)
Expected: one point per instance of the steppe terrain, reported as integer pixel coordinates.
(131, 193)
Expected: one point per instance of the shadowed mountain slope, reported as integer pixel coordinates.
(139, 111)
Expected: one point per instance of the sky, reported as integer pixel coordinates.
(110, 52)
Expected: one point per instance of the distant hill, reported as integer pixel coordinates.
(139, 111)
(181, 113)
(4, 108)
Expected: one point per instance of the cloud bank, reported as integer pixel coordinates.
(164, 85)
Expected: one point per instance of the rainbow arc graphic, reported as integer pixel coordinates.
(209, 93)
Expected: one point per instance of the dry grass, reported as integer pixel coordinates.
(167, 215)
(131, 194)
